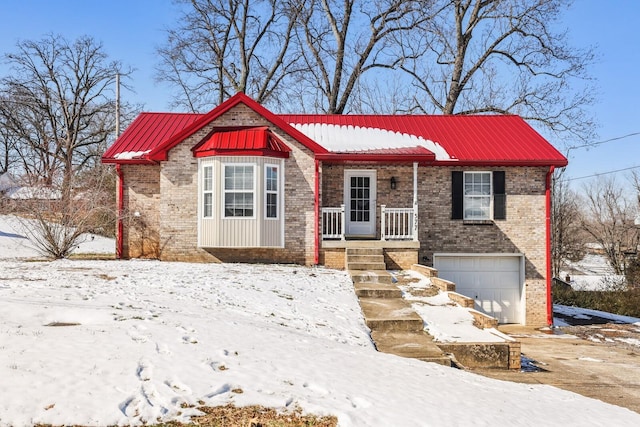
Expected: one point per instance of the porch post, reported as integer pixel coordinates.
(342, 224)
(383, 221)
(415, 201)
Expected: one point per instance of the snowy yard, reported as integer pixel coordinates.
(127, 342)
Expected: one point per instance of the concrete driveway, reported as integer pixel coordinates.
(608, 370)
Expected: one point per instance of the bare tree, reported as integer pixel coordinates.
(221, 47)
(609, 221)
(339, 41)
(61, 106)
(8, 143)
(57, 105)
(500, 56)
(568, 243)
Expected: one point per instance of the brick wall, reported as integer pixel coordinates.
(141, 216)
(178, 185)
(522, 232)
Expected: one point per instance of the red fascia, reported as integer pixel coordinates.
(548, 241)
(375, 158)
(119, 241)
(493, 163)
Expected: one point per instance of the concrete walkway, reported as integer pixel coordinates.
(395, 327)
(600, 371)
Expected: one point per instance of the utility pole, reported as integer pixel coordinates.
(117, 105)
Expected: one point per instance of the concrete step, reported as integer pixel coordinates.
(414, 345)
(364, 251)
(371, 276)
(365, 258)
(364, 266)
(377, 290)
(390, 315)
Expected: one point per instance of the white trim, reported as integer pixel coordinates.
(204, 191)
(464, 196)
(277, 192)
(225, 191)
(371, 224)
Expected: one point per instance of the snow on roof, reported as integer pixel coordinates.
(128, 155)
(346, 139)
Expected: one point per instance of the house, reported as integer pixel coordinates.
(469, 195)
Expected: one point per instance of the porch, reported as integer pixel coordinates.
(398, 244)
(396, 224)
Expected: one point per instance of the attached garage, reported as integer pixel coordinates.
(494, 281)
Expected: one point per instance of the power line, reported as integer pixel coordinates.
(602, 173)
(593, 144)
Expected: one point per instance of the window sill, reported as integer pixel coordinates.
(477, 222)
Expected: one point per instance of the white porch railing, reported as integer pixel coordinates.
(395, 223)
(333, 223)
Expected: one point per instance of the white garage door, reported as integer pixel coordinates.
(493, 281)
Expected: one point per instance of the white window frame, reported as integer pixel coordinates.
(468, 197)
(207, 190)
(226, 191)
(268, 191)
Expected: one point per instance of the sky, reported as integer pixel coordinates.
(132, 29)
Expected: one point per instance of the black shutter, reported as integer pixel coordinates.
(457, 195)
(499, 195)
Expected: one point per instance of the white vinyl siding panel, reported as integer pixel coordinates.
(220, 231)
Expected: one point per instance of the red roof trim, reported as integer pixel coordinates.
(525, 163)
(160, 152)
(401, 155)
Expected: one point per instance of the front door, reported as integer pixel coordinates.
(360, 203)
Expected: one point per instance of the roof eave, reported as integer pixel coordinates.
(493, 163)
(375, 158)
(141, 161)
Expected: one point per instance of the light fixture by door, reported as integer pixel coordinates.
(393, 182)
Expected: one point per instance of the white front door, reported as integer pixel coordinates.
(360, 202)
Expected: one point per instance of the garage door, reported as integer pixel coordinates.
(493, 281)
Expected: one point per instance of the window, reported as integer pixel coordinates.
(477, 195)
(271, 191)
(207, 192)
(360, 198)
(239, 187)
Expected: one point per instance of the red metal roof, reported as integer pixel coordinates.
(486, 140)
(242, 141)
(146, 132)
(480, 139)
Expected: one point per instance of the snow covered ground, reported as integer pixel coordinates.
(127, 342)
(592, 273)
(14, 242)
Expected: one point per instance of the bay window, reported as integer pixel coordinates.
(239, 188)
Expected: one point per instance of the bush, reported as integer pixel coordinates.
(617, 300)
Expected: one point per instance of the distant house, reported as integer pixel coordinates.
(469, 195)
